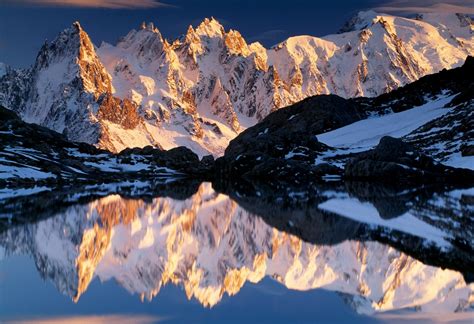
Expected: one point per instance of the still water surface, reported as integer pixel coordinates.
(204, 256)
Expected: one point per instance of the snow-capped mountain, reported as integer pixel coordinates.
(429, 120)
(31, 153)
(68, 90)
(211, 246)
(202, 89)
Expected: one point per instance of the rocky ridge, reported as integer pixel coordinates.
(32, 155)
(321, 138)
(204, 88)
(323, 135)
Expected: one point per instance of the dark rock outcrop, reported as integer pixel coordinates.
(448, 135)
(459, 81)
(395, 161)
(285, 142)
(31, 154)
(284, 147)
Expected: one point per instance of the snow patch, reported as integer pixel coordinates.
(366, 134)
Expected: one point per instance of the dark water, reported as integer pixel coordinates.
(341, 253)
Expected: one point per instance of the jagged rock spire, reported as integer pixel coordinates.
(77, 25)
(210, 27)
(169, 80)
(150, 26)
(191, 35)
(236, 43)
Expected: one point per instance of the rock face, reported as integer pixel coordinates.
(285, 144)
(395, 161)
(457, 81)
(286, 141)
(203, 89)
(27, 161)
(448, 137)
(68, 90)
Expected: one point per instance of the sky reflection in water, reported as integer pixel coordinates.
(207, 259)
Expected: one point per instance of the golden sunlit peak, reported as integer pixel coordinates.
(150, 26)
(190, 30)
(210, 27)
(77, 25)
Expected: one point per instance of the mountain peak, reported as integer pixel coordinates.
(150, 26)
(72, 42)
(146, 43)
(236, 43)
(190, 30)
(73, 56)
(191, 35)
(77, 25)
(360, 21)
(71, 31)
(210, 27)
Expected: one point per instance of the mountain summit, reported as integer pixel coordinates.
(203, 89)
(362, 20)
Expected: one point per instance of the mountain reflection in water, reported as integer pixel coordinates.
(382, 249)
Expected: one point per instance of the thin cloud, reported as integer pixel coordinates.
(93, 319)
(427, 6)
(111, 4)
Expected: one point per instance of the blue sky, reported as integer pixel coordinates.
(26, 24)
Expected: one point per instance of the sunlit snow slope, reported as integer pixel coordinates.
(204, 88)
